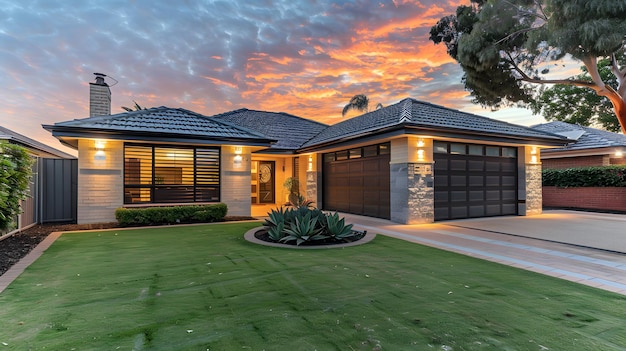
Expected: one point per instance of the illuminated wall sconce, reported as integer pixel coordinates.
(619, 153)
(310, 169)
(238, 158)
(421, 154)
(100, 155)
(533, 155)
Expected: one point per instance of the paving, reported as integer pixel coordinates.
(588, 248)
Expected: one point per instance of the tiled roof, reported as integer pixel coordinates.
(11, 136)
(413, 113)
(590, 138)
(163, 120)
(290, 131)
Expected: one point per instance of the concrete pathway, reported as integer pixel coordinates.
(583, 247)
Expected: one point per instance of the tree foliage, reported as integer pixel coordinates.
(15, 174)
(503, 47)
(136, 107)
(578, 105)
(359, 102)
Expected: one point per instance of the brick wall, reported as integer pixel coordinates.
(611, 199)
(100, 181)
(570, 162)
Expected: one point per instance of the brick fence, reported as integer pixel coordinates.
(610, 199)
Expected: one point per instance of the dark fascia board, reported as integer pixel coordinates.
(69, 132)
(401, 129)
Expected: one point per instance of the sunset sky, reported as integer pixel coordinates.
(306, 58)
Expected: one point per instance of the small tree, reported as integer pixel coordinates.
(359, 102)
(15, 174)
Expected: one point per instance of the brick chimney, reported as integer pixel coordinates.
(99, 97)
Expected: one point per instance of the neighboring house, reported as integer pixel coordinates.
(33, 207)
(589, 147)
(411, 162)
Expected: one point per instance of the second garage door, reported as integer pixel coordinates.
(474, 180)
(357, 181)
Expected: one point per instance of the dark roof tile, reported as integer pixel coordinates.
(589, 138)
(290, 131)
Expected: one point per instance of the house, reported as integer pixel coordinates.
(33, 211)
(411, 162)
(589, 147)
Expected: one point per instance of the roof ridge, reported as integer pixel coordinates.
(406, 115)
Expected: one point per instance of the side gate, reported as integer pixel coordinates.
(59, 190)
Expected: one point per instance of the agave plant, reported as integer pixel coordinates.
(277, 232)
(337, 228)
(275, 217)
(303, 229)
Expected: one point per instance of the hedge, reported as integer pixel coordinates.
(171, 215)
(606, 176)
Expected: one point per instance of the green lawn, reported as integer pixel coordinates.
(206, 288)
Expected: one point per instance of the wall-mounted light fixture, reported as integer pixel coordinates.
(238, 159)
(310, 169)
(421, 153)
(99, 155)
(619, 153)
(533, 155)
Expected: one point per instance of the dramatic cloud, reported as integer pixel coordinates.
(303, 57)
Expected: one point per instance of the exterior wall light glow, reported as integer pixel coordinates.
(533, 155)
(421, 153)
(238, 159)
(310, 169)
(99, 155)
(619, 153)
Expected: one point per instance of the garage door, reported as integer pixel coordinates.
(357, 181)
(474, 180)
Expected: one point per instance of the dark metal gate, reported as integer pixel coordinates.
(59, 190)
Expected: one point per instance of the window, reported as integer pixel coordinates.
(156, 174)
(366, 151)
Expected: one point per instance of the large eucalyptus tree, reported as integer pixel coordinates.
(504, 47)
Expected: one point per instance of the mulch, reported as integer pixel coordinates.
(15, 247)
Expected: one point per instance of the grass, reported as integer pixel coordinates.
(206, 288)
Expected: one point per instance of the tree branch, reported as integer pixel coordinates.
(620, 75)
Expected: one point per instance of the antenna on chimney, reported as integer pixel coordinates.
(100, 79)
(99, 96)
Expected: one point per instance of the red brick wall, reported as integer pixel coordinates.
(571, 162)
(618, 161)
(611, 199)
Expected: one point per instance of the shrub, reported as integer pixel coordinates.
(304, 225)
(170, 215)
(607, 176)
(15, 174)
(337, 228)
(303, 229)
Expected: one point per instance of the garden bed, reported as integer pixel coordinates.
(260, 236)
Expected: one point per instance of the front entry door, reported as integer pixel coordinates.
(266, 182)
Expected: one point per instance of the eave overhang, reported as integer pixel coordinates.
(70, 135)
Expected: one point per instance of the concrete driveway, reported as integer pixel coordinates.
(584, 247)
(596, 230)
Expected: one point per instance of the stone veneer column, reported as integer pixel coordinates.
(411, 185)
(412, 193)
(313, 179)
(534, 199)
